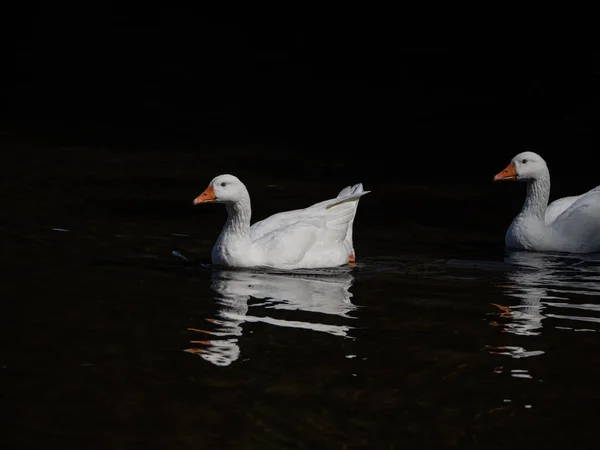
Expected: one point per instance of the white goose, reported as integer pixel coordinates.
(569, 224)
(317, 236)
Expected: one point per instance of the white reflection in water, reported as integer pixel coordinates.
(543, 283)
(322, 292)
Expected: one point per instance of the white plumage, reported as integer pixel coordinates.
(317, 236)
(570, 224)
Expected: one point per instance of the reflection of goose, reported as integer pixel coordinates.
(321, 292)
(544, 280)
(526, 283)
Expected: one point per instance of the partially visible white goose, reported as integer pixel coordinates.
(317, 236)
(570, 224)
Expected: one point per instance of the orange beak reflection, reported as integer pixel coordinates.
(208, 196)
(510, 173)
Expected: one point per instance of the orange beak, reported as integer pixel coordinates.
(208, 196)
(510, 173)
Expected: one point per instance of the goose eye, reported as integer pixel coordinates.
(223, 184)
(524, 161)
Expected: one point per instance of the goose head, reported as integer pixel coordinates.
(223, 189)
(524, 167)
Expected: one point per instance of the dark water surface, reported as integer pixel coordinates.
(117, 333)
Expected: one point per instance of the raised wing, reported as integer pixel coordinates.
(581, 221)
(284, 219)
(557, 207)
(292, 234)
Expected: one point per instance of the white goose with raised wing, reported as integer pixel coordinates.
(317, 236)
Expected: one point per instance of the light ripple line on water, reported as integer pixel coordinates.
(337, 330)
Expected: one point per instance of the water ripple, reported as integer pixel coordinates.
(553, 291)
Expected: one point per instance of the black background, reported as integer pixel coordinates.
(400, 97)
(113, 118)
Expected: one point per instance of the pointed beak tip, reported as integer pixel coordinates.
(208, 196)
(509, 173)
